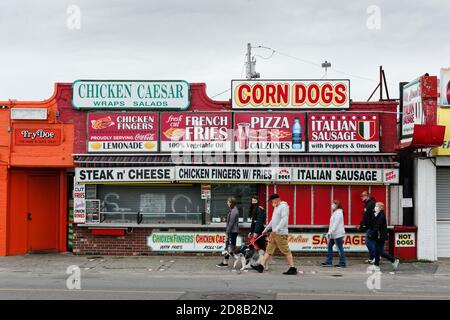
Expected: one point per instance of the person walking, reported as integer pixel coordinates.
(258, 215)
(335, 235)
(279, 235)
(379, 235)
(367, 222)
(232, 230)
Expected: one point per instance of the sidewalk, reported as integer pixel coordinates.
(54, 263)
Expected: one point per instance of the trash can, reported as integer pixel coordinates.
(402, 242)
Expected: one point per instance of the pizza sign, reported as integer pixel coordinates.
(354, 132)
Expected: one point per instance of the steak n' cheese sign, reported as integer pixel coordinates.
(335, 132)
(290, 94)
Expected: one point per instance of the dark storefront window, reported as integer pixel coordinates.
(220, 194)
(175, 204)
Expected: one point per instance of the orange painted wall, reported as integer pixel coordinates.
(38, 157)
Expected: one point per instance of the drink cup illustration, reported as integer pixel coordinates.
(243, 135)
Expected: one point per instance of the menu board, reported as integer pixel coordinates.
(192, 131)
(281, 132)
(339, 132)
(123, 132)
(92, 211)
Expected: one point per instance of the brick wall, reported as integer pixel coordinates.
(134, 243)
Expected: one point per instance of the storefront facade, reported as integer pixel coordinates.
(157, 178)
(145, 167)
(36, 152)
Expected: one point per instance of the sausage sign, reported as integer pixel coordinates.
(290, 94)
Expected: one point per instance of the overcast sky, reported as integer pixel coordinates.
(205, 41)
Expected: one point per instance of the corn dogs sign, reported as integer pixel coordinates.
(290, 94)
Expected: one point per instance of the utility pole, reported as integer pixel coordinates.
(250, 64)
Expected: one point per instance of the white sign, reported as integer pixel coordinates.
(128, 94)
(188, 241)
(29, 113)
(445, 87)
(79, 203)
(334, 175)
(99, 175)
(412, 112)
(405, 239)
(233, 174)
(290, 94)
(407, 203)
(316, 242)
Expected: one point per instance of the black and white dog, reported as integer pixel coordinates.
(246, 256)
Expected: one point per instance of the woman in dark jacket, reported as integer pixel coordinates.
(379, 234)
(258, 215)
(232, 230)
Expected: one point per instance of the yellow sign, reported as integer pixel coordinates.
(443, 118)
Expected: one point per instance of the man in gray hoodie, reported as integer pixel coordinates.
(279, 235)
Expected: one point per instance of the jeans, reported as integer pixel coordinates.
(370, 244)
(340, 245)
(379, 247)
(231, 243)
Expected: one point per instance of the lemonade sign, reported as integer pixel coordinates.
(123, 132)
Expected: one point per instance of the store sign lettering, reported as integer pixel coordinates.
(407, 239)
(340, 175)
(128, 94)
(412, 110)
(90, 175)
(122, 132)
(188, 241)
(280, 132)
(79, 203)
(294, 94)
(314, 242)
(38, 137)
(196, 132)
(352, 132)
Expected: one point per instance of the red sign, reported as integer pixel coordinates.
(352, 132)
(38, 137)
(123, 132)
(282, 132)
(190, 131)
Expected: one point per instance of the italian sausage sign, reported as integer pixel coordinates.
(335, 132)
(290, 94)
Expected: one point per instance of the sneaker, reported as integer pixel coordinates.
(324, 264)
(339, 266)
(395, 264)
(292, 270)
(221, 265)
(258, 268)
(371, 261)
(374, 268)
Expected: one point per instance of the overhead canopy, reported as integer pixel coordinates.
(314, 161)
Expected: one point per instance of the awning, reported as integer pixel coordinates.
(314, 161)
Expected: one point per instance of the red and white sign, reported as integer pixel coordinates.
(37, 137)
(282, 132)
(290, 94)
(79, 203)
(316, 242)
(123, 132)
(352, 132)
(412, 109)
(189, 131)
